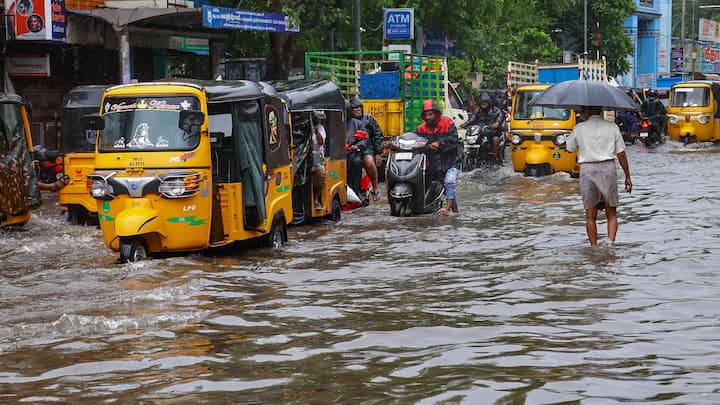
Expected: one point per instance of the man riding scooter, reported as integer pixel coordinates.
(654, 110)
(489, 115)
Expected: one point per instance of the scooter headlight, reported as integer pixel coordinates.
(407, 144)
(99, 187)
(516, 139)
(560, 139)
(703, 119)
(179, 185)
(672, 119)
(471, 139)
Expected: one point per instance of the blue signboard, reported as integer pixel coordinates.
(246, 20)
(399, 23)
(437, 43)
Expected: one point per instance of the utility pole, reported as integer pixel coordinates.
(585, 33)
(358, 46)
(682, 35)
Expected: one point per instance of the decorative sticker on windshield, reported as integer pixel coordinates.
(141, 137)
(147, 104)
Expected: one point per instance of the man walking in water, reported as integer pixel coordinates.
(599, 143)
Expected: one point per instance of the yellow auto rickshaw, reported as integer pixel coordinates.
(77, 147)
(19, 192)
(186, 165)
(538, 134)
(320, 181)
(693, 114)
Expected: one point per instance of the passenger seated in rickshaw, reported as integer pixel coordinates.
(318, 168)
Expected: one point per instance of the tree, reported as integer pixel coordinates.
(487, 34)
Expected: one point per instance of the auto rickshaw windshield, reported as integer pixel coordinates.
(690, 97)
(146, 123)
(524, 111)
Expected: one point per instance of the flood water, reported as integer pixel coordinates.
(505, 303)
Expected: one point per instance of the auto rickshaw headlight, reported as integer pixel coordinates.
(560, 139)
(100, 189)
(516, 139)
(179, 185)
(672, 119)
(703, 119)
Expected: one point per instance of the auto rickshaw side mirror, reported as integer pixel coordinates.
(191, 120)
(92, 122)
(28, 108)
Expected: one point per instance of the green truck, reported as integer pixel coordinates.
(392, 85)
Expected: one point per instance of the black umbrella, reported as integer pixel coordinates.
(578, 93)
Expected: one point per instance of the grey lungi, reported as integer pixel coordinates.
(598, 182)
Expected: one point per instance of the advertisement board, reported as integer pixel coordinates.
(247, 20)
(39, 20)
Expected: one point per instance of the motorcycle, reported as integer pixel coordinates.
(627, 122)
(355, 171)
(477, 149)
(411, 189)
(650, 132)
(50, 164)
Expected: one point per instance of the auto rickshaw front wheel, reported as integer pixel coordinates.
(132, 250)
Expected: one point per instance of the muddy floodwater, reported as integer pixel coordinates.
(504, 303)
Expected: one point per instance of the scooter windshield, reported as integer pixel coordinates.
(146, 123)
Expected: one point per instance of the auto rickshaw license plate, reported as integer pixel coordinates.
(643, 134)
(403, 156)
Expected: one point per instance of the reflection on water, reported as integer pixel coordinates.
(504, 303)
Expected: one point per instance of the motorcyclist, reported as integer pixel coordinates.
(356, 147)
(654, 110)
(489, 115)
(442, 136)
(373, 159)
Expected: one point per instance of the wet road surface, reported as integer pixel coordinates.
(504, 303)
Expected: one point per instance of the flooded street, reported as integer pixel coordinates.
(504, 303)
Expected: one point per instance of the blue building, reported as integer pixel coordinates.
(649, 27)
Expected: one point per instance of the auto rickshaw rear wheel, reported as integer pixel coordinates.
(336, 212)
(132, 250)
(276, 238)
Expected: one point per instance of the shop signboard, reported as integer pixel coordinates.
(247, 20)
(27, 65)
(39, 20)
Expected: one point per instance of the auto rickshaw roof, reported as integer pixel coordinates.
(11, 98)
(217, 91)
(305, 95)
(86, 96)
(695, 83)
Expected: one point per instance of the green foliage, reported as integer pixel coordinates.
(487, 34)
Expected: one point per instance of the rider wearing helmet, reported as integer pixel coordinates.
(442, 136)
(654, 110)
(487, 114)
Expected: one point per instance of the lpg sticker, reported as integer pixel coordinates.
(556, 155)
(182, 158)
